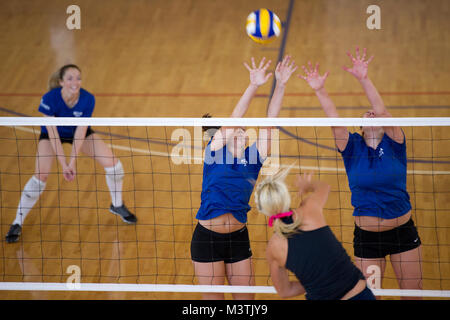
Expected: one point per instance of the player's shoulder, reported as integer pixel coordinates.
(276, 242)
(87, 98)
(86, 93)
(355, 136)
(52, 94)
(277, 248)
(356, 140)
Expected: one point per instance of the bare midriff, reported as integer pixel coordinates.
(225, 223)
(375, 224)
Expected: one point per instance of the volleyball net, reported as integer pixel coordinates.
(70, 241)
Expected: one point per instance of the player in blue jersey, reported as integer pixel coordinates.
(375, 162)
(220, 246)
(304, 244)
(66, 98)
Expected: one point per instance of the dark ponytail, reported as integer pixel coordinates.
(211, 130)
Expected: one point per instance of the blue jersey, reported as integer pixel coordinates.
(228, 183)
(52, 104)
(377, 177)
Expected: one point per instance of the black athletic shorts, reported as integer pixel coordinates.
(367, 244)
(43, 135)
(210, 246)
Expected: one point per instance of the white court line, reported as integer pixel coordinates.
(166, 154)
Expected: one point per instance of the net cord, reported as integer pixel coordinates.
(195, 122)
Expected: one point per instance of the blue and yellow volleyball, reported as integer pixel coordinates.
(263, 26)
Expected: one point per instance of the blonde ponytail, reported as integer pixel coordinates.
(272, 197)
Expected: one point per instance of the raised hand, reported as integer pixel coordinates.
(360, 65)
(312, 76)
(284, 70)
(303, 182)
(258, 74)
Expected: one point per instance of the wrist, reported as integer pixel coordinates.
(280, 85)
(63, 163)
(320, 91)
(364, 80)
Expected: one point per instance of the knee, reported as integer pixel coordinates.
(115, 172)
(34, 187)
(411, 284)
(41, 176)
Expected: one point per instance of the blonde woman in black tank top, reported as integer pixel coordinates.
(304, 244)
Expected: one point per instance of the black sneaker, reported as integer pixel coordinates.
(14, 233)
(123, 213)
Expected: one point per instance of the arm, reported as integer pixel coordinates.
(317, 82)
(280, 277)
(319, 190)
(59, 151)
(360, 71)
(78, 140)
(258, 77)
(283, 72)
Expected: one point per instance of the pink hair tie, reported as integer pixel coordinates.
(279, 216)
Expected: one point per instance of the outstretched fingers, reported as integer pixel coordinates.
(292, 66)
(316, 68)
(351, 57)
(253, 63)
(306, 73)
(357, 53)
(364, 54)
(346, 69)
(278, 68)
(262, 63)
(267, 76)
(288, 63)
(311, 69)
(359, 58)
(266, 66)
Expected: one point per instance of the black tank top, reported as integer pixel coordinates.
(321, 264)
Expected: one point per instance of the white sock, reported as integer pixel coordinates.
(114, 180)
(30, 195)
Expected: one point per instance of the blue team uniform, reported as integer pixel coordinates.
(228, 183)
(52, 104)
(377, 177)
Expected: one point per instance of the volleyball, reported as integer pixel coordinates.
(263, 26)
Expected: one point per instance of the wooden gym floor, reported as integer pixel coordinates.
(182, 59)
